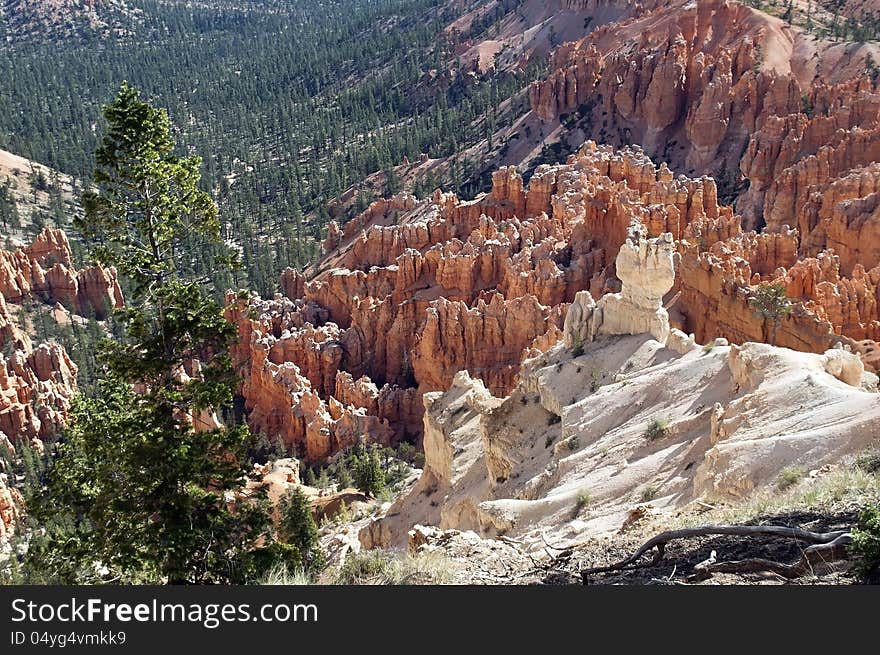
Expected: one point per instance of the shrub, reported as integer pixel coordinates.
(869, 461)
(789, 476)
(376, 567)
(866, 541)
(554, 419)
(657, 429)
(343, 478)
(649, 493)
(583, 499)
(282, 574)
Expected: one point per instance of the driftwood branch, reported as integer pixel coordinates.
(813, 558)
(659, 542)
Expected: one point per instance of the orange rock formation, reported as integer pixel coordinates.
(38, 382)
(411, 292)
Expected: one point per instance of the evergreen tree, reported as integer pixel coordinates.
(298, 529)
(369, 477)
(771, 303)
(343, 477)
(144, 488)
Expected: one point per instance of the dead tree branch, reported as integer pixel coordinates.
(659, 542)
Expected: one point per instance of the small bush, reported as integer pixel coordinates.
(554, 419)
(548, 441)
(657, 429)
(789, 476)
(866, 541)
(578, 350)
(583, 499)
(869, 461)
(572, 442)
(298, 529)
(649, 493)
(709, 347)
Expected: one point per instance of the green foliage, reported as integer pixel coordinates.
(236, 76)
(145, 495)
(584, 498)
(368, 475)
(376, 567)
(771, 303)
(344, 479)
(807, 107)
(789, 476)
(657, 429)
(730, 183)
(9, 215)
(363, 567)
(869, 461)
(140, 490)
(297, 528)
(649, 493)
(866, 541)
(871, 68)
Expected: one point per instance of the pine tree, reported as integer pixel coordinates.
(771, 303)
(298, 529)
(369, 477)
(343, 477)
(145, 489)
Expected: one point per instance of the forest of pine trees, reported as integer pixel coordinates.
(289, 103)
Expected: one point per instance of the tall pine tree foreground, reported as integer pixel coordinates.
(147, 492)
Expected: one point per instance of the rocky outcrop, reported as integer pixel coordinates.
(788, 124)
(685, 80)
(44, 270)
(400, 306)
(577, 427)
(715, 284)
(11, 509)
(647, 272)
(36, 389)
(38, 382)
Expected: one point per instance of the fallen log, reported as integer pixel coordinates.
(659, 542)
(814, 558)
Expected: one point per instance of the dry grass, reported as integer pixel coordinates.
(282, 575)
(377, 567)
(373, 567)
(845, 485)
